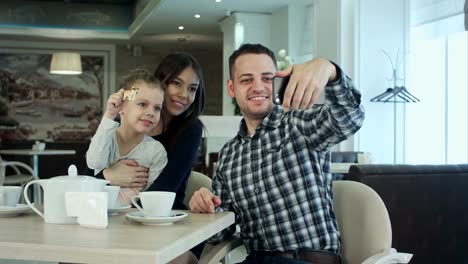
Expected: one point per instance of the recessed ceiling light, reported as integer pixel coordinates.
(181, 27)
(218, 1)
(197, 16)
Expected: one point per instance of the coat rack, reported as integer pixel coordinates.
(395, 94)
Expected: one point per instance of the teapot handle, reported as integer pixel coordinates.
(25, 193)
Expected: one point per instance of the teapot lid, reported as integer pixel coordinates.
(73, 176)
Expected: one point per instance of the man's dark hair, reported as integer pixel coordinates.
(248, 49)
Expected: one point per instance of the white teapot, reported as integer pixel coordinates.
(54, 194)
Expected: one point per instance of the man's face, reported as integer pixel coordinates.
(251, 85)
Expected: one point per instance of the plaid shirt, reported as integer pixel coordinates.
(278, 181)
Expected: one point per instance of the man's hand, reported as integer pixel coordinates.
(306, 83)
(127, 173)
(203, 201)
(114, 104)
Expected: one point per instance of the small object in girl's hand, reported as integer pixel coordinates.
(130, 95)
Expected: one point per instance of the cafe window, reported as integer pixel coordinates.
(437, 126)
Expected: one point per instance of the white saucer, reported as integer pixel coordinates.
(167, 220)
(113, 211)
(9, 211)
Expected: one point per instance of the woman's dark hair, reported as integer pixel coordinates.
(168, 69)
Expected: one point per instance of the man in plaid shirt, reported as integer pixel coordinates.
(275, 174)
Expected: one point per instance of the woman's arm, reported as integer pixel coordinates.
(181, 158)
(124, 173)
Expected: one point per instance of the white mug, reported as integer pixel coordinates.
(10, 195)
(155, 204)
(113, 194)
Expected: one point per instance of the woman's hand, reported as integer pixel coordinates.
(203, 201)
(126, 173)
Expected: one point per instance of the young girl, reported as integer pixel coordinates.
(179, 130)
(139, 103)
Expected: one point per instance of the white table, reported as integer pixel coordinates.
(35, 161)
(27, 237)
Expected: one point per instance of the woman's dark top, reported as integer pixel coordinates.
(181, 156)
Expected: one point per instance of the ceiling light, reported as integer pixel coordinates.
(181, 27)
(197, 16)
(218, 1)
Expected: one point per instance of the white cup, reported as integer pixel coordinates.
(155, 204)
(10, 195)
(112, 194)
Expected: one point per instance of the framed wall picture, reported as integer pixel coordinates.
(38, 105)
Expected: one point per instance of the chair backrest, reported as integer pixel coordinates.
(363, 221)
(194, 183)
(15, 176)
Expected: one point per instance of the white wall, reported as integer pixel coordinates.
(382, 25)
(280, 33)
(293, 29)
(328, 18)
(237, 29)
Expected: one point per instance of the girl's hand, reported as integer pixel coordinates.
(114, 104)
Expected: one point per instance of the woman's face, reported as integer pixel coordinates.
(181, 92)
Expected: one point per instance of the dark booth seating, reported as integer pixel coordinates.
(428, 208)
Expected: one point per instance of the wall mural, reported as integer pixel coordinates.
(37, 105)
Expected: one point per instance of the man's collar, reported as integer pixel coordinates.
(272, 120)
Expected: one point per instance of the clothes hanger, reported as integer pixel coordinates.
(395, 94)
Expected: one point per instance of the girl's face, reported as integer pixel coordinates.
(181, 92)
(142, 114)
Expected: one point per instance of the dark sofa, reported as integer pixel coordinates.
(428, 208)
